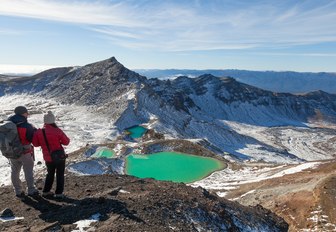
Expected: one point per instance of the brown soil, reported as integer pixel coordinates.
(127, 203)
(306, 200)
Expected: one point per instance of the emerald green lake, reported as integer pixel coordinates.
(103, 153)
(136, 131)
(172, 166)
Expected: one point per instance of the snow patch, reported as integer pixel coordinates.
(228, 179)
(245, 194)
(7, 219)
(124, 191)
(296, 169)
(320, 222)
(82, 125)
(84, 225)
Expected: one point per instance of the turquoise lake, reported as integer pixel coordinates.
(136, 131)
(171, 166)
(103, 153)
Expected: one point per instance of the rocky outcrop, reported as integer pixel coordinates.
(125, 203)
(96, 83)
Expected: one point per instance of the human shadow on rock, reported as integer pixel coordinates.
(69, 211)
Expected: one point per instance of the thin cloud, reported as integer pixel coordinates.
(296, 54)
(10, 32)
(12, 69)
(93, 12)
(116, 32)
(191, 25)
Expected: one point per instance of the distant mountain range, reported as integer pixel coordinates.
(208, 108)
(286, 82)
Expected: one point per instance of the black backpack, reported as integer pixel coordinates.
(10, 144)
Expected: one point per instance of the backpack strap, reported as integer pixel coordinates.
(45, 139)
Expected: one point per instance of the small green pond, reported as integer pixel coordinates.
(136, 131)
(103, 153)
(172, 166)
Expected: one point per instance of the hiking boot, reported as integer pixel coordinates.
(21, 195)
(60, 196)
(34, 194)
(47, 194)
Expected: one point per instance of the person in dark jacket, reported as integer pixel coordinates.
(26, 132)
(56, 138)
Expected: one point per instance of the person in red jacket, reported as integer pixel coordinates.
(56, 138)
(25, 132)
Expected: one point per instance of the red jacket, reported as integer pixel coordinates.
(25, 131)
(56, 138)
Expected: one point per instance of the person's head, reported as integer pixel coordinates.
(21, 110)
(49, 118)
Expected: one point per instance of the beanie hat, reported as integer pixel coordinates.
(49, 118)
(20, 110)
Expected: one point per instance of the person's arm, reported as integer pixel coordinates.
(30, 132)
(64, 140)
(36, 141)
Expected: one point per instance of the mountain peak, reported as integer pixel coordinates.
(95, 83)
(113, 59)
(109, 69)
(109, 60)
(207, 77)
(104, 64)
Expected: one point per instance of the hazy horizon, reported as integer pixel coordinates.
(24, 70)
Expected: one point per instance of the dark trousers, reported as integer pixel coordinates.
(59, 169)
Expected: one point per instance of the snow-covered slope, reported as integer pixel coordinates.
(31, 84)
(81, 124)
(207, 108)
(286, 81)
(227, 116)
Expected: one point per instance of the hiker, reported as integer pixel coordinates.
(51, 138)
(26, 160)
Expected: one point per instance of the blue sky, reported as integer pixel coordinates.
(275, 35)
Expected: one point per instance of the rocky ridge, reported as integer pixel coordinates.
(189, 108)
(286, 81)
